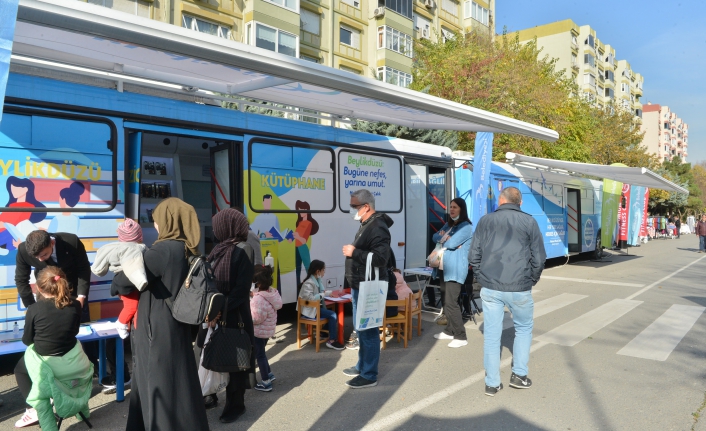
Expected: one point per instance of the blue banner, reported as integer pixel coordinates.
(482, 160)
(8, 16)
(637, 211)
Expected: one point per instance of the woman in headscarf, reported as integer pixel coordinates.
(233, 267)
(166, 393)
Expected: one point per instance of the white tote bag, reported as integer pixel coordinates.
(372, 295)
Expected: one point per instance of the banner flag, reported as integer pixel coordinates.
(636, 214)
(609, 211)
(482, 160)
(643, 227)
(623, 219)
(8, 16)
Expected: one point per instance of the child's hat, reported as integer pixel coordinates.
(130, 231)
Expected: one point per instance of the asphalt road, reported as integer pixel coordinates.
(617, 346)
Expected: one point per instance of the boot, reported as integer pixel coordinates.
(235, 402)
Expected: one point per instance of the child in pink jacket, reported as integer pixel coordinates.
(263, 307)
(402, 289)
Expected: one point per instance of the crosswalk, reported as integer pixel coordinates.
(656, 342)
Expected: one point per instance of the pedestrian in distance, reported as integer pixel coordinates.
(507, 256)
(455, 236)
(263, 307)
(312, 289)
(373, 236)
(701, 233)
(677, 223)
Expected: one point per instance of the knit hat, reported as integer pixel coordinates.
(130, 231)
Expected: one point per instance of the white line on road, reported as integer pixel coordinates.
(641, 291)
(659, 339)
(432, 399)
(586, 280)
(571, 333)
(547, 306)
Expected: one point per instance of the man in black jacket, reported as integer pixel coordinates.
(372, 237)
(507, 256)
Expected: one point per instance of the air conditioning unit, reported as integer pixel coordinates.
(429, 4)
(425, 33)
(379, 12)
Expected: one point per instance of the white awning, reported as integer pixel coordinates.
(633, 176)
(118, 44)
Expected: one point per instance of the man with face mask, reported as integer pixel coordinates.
(372, 237)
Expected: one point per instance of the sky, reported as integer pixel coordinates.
(663, 41)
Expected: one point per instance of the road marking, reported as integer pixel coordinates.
(571, 333)
(432, 399)
(547, 306)
(659, 339)
(586, 280)
(641, 291)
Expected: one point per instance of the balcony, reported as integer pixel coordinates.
(350, 51)
(349, 10)
(575, 67)
(310, 38)
(448, 17)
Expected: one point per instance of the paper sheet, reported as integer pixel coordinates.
(84, 331)
(103, 326)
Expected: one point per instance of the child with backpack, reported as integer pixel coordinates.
(263, 307)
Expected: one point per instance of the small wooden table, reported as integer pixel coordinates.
(340, 310)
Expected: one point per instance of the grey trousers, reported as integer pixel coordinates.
(451, 291)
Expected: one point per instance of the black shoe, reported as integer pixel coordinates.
(110, 385)
(520, 382)
(351, 372)
(231, 416)
(491, 391)
(361, 382)
(210, 401)
(335, 345)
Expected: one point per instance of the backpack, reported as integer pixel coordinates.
(198, 299)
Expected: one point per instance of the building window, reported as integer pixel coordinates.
(276, 40)
(287, 4)
(310, 22)
(610, 59)
(394, 40)
(422, 25)
(350, 37)
(574, 41)
(198, 24)
(402, 7)
(473, 10)
(609, 93)
(394, 76)
(589, 79)
(590, 41)
(609, 75)
(349, 69)
(354, 3)
(133, 7)
(625, 88)
(450, 6)
(309, 58)
(589, 59)
(447, 35)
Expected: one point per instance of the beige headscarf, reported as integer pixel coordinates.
(177, 220)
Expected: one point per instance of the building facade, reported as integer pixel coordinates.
(666, 135)
(373, 38)
(600, 77)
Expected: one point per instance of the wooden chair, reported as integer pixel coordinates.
(399, 324)
(416, 311)
(318, 323)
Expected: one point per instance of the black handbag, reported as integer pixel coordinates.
(229, 350)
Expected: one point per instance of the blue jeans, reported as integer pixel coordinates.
(521, 306)
(702, 243)
(261, 357)
(332, 323)
(369, 352)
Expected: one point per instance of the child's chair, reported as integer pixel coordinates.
(318, 323)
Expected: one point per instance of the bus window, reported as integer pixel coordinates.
(436, 202)
(379, 174)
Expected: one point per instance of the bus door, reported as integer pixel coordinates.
(416, 215)
(573, 215)
(225, 193)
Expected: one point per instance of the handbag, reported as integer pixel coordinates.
(211, 381)
(229, 350)
(436, 257)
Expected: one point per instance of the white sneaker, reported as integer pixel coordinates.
(457, 343)
(443, 336)
(122, 329)
(27, 419)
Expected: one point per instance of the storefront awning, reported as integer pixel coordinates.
(633, 176)
(117, 45)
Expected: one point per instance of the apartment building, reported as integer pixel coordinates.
(367, 37)
(666, 135)
(590, 63)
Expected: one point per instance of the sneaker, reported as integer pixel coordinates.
(271, 377)
(27, 419)
(361, 382)
(335, 345)
(351, 372)
(442, 320)
(491, 391)
(354, 336)
(264, 386)
(353, 345)
(520, 382)
(109, 383)
(210, 401)
(458, 343)
(443, 336)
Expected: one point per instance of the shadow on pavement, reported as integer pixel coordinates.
(500, 420)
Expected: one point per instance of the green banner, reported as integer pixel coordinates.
(609, 210)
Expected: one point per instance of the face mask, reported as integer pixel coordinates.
(355, 215)
(456, 218)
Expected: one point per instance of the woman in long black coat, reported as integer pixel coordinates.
(166, 393)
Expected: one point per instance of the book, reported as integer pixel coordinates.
(20, 232)
(281, 236)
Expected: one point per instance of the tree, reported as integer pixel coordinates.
(444, 138)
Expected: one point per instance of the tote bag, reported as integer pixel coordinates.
(372, 295)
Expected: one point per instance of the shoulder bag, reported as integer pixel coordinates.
(229, 349)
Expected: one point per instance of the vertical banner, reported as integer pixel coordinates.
(636, 214)
(482, 160)
(645, 200)
(8, 16)
(609, 210)
(623, 219)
